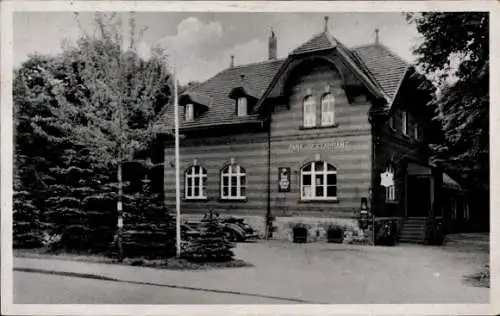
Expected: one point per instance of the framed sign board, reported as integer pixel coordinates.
(284, 179)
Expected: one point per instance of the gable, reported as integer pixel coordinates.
(374, 65)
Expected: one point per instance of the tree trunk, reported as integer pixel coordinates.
(119, 208)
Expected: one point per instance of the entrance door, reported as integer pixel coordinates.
(418, 196)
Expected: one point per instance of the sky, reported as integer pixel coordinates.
(205, 41)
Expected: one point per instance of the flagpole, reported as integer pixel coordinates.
(177, 173)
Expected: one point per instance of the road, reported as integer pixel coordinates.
(38, 288)
(281, 272)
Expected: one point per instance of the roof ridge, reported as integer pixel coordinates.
(267, 61)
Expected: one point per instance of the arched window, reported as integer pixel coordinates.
(318, 181)
(309, 111)
(233, 182)
(196, 177)
(327, 109)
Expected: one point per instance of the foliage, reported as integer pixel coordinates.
(149, 231)
(455, 53)
(120, 94)
(78, 116)
(335, 234)
(27, 226)
(386, 232)
(434, 232)
(211, 245)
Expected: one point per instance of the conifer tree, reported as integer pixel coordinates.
(212, 244)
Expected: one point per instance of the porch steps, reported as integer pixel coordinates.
(413, 231)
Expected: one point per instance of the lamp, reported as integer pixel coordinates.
(364, 205)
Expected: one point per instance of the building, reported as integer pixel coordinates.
(302, 140)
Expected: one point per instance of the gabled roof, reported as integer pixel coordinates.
(321, 41)
(387, 68)
(223, 109)
(378, 65)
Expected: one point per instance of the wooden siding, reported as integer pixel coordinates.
(347, 145)
(213, 157)
(392, 145)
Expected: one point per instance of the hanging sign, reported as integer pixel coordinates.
(387, 178)
(283, 179)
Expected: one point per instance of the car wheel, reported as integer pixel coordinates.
(230, 235)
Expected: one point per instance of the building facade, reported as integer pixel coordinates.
(304, 139)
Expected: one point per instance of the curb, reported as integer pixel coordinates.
(173, 286)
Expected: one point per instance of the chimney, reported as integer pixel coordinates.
(273, 51)
(231, 65)
(326, 24)
(377, 41)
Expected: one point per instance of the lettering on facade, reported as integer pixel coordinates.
(330, 146)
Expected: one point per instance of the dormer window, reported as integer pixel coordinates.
(189, 112)
(241, 106)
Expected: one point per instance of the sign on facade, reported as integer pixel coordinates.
(284, 179)
(330, 146)
(387, 178)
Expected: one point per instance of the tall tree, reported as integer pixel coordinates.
(455, 54)
(120, 96)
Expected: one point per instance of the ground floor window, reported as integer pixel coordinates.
(233, 182)
(390, 194)
(196, 177)
(318, 181)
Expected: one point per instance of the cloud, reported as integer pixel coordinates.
(197, 45)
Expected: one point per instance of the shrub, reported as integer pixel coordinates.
(335, 234)
(149, 230)
(385, 233)
(211, 245)
(434, 232)
(300, 232)
(73, 238)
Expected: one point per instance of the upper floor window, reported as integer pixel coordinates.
(189, 112)
(391, 122)
(309, 111)
(404, 122)
(233, 182)
(327, 110)
(242, 108)
(318, 181)
(416, 131)
(196, 177)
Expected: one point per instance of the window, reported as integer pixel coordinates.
(416, 134)
(390, 191)
(189, 114)
(318, 181)
(233, 182)
(404, 121)
(327, 110)
(242, 107)
(196, 177)
(391, 122)
(309, 111)
(453, 208)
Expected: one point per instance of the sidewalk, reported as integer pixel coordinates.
(312, 273)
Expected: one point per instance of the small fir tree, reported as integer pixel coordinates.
(211, 245)
(149, 230)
